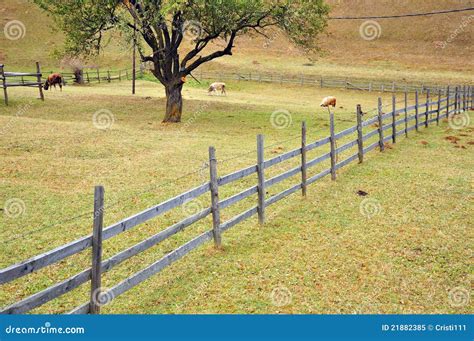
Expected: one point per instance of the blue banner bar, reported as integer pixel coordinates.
(237, 327)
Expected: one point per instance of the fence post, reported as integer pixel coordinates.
(406, 114)
(333, 145)
(216, 219)
(261, 180)
(370, 87)
(120, 75)
(303, 159)
(427, 106)
(416, 110)
(438, 107)
(464, 97)
(98, 75)
(4, 84)
(381, 145)
(321, 81)
(87, 76)
(448, 91)
(94, 307)
(360, 141)
(394, 125)
(455, 100)
(38, 77)
(108, 76)
(393, 86)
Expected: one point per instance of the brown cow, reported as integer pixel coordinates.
(53, 79)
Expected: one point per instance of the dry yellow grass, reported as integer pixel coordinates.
(322, 250)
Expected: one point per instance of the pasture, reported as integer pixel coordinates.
(321, 252)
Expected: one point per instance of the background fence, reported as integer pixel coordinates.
(96, 75)
(389, 126)
(323, 81)
(32, 79)
(84, 76)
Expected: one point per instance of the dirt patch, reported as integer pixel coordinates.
(452, 139)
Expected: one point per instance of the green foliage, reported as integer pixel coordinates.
(85, 21)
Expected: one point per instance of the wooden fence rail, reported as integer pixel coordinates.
(35, 82)
(389, 126)
(324, 82)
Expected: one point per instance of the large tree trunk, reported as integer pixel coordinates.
(174, 103)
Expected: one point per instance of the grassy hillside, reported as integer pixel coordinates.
(406, 49)
(322, 250)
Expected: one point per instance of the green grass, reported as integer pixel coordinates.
(330, 257)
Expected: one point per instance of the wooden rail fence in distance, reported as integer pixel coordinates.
(35, 82)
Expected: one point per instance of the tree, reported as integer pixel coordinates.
(164, 25)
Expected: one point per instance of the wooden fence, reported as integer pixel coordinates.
(95, 75)
(323, 81)
(390, 126)
(32, 79)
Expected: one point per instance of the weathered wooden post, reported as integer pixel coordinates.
(394, 125)
(438, 108)
(87, 77)
(455, 100)
(4, 84)
(416, 110)
(216, 219)
(120, 75)
(427, 106)
(38, 78)
(261, 179)
(108, 76)
(94, 307)
(332, 140)
(370, 86)
(380, 113)
(360, 137)
(406, 113)
(448, 92)
(464, 97)
(303, 159)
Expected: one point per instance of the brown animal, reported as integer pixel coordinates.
(329, 101)
(53, 79)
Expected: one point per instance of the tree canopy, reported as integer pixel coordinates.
(162, 25)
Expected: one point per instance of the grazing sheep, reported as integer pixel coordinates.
(53, 79)
(217, 86)
(328, 102)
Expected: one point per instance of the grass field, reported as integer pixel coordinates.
(405, 51)
(320, 253)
